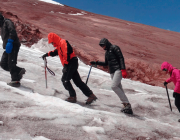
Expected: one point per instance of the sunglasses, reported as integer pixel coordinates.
(164, 69)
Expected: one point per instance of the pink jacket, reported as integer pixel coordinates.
(175, 75)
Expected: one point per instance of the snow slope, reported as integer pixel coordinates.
(52, 2)
(33, 112)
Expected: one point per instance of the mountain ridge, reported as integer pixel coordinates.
(144, 47)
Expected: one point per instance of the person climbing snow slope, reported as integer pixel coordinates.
(70, 68)
(175, 78)
(115, 61)
(11, 45)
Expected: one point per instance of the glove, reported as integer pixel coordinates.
(9, 46)
(124, 73)
(45, 55)
(174, 94)
(64, 70)
(93, 62)
(165, 83)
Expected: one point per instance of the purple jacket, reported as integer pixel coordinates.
(174, 75)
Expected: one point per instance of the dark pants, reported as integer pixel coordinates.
(73, 74)
(177, 100)
(9, 61)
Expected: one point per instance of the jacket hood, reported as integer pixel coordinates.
(1, 17)
(105, 42)
(166, 65)
(53, 38)
(1, 20)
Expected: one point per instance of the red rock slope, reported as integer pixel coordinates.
(144, 47)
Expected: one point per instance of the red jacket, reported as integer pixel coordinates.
(174, 75)
(63, 48)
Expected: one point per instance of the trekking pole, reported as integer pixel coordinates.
(168, 98)
(45, 65)
(50, 71)
(88, 74)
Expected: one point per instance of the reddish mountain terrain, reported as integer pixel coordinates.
(144, 47)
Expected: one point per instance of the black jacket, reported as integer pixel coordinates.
(113, 57)
(8, 31)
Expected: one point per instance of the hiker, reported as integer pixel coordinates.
(175, 78)
(11, 45)
(115, 61)
(70, 68)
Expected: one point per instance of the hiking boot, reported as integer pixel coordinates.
(91, 98)
(71, 99)
(22, 71)
(127, 108)
(14, 84)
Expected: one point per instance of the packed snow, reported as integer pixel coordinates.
(57, 3)
(52, 2)
(78, 14)
(32, 112)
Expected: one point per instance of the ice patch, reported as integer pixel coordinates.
(93, 129)
(40, 138)
(28, 80)
(98, 120)
(140, 93)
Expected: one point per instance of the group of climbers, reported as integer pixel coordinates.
(113, 59)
